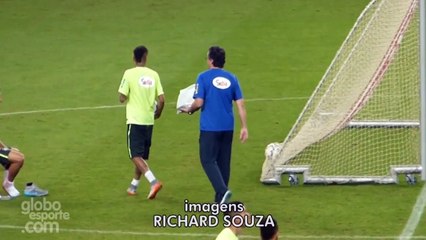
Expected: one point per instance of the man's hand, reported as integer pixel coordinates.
(193, 107)
(243, 134)
(122, 98)
(185, 109)
(15, 149)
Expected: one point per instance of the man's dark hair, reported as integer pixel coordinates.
(139, 53)
(267, 232)
(217, 54)
(233, 208)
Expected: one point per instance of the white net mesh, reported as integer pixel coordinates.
(373, 78)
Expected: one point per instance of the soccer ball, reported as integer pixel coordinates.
(293, 179)
(410, 178)
(272, 151)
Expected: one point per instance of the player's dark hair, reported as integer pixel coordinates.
(233, 208)
(217, 54)
(139, 53)
(267, 231)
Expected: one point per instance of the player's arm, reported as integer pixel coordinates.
(196, 105)
(160, 106)
(122, 98)
(199, 95)
(2, 145)
(123, 89)
(160, 97)
(243, 118)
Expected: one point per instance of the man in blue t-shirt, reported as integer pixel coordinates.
(215, 91)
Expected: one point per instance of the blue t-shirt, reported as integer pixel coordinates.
(218, 88)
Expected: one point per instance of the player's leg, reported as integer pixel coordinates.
(132, 143)
(224, 159)
(16, 159)
(4, 161)
(209, 150)
(138, 173)
(149, 175)
(139, 164)
(141, 167)
(13, 160)
(139, 142)
(135, 181)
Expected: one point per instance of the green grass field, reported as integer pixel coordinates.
(71, 54)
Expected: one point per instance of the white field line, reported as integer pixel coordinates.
(198, 235)
(413, 221)
(122, 105)
(58, 110)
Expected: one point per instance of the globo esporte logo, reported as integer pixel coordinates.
(44, 215)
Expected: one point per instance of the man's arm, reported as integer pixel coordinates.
(160, 106)
(199, 95)
(2, 145)
(122, 98)
(195, 106)
(123, 89)
(243, 118)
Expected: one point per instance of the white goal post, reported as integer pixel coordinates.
(364, 121)
(423, 85)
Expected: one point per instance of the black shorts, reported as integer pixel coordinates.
(216, 147)
(139, 140)
(4, 157)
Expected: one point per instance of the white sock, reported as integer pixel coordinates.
(150, 176)
(6, 174)
(10, 188)
(135, 182)
(7, 183)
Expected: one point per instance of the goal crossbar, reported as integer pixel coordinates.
(383, 124)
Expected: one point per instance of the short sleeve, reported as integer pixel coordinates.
(237, 93)
(159, 88)
(199, 91)
(124, 86)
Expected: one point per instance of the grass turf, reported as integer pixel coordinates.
(72, 54)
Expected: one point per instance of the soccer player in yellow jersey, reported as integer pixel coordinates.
(141, 89)
(12, 160)
(232, 231)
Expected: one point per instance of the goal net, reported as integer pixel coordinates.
(361, 124)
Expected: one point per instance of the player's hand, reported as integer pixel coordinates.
(243, 134)
(185, 109)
